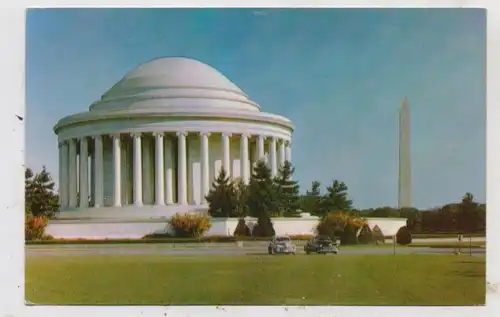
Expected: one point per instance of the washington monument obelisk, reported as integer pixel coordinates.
(404, 184)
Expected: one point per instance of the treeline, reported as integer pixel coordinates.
(445, 219)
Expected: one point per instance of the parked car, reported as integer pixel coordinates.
(281, 244)
(321, 244)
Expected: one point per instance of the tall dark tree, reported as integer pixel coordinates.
(262, 194)
(40, 196)
(241, 196)
(287, 191)
(335, 199)
(28, 190)
(221, 198)
(467, 219)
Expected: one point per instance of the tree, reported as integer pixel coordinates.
(241, 198)
(261, 192)
(335, 199)
(221, 198)
(468, 217)
(264, 226)
(311, 200)
(40, 197)
(242, 229)
(287, 191)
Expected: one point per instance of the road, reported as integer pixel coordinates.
(214, 249)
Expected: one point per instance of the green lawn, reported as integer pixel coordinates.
(252, 279)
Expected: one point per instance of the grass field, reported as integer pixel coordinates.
(251, 279)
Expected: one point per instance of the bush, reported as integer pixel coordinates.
(340, 224)
(348, 236)
(189, 225)
(263, 227)
(403, 237)
(242, 229)
(366, 235)
(378, 235)
(34, 227)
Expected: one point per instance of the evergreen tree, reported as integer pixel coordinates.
(221, 198)
(335, 199)
(241, 196)
(264, 226)
(261, 192)
(40, 196)
(287, 191)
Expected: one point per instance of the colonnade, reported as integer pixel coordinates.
(75, 176)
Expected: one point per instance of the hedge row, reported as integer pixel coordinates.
(162, 239)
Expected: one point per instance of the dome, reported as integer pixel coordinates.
(175, 83)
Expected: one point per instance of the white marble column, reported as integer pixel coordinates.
(72, 186)
(289, 151)
(64, 179)
(205, 171)
(182, 169)
(282, 152)
(137, 169)
(60, 182)
(159, 172)
(117, 189)
(226, 153)
(169, 164)
(272, 156)
(244, 167)
(99, 172)
(260, 147)
(84, 163)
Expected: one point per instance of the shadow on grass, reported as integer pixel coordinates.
(472, 274)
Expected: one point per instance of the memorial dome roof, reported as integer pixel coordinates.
(178, 83)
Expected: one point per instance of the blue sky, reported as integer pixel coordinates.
(338, 74)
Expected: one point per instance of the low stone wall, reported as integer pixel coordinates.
(136, 229)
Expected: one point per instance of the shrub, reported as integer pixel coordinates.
(340, 224)
(242, 229)
(378, 235)
(366, 235)
(301, 237)
(263, 227)
(348, 236)
(189, 225)
(403, 236)
(34, 227)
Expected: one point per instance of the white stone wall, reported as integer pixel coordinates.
(220, 226)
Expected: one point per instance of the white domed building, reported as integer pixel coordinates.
(154, 143)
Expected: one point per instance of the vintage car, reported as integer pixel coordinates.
(281, 244)
(321, 244)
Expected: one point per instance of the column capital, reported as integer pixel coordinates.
(96, 137)
(273, 138)
(263, 137)
(136, 134)
(246, 135)
(158, 134)
(228, 134)
(282, 141)
(288, 142)
(202, 133)
(181, 133)
(82, 138)
(115, 135)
